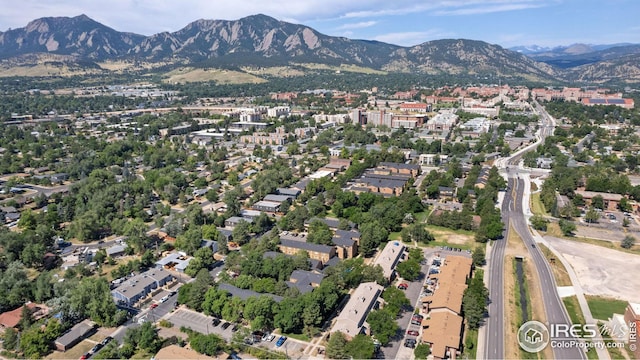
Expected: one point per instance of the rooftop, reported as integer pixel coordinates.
(389, 257)
(354, 314)
(442, 331)
(245, 294)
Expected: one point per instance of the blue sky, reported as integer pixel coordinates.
(403, 22)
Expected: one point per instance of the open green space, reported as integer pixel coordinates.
(603, 308)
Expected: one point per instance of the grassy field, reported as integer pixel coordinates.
(536, 205)
(603, 308)
(559, 271)
(470, 343)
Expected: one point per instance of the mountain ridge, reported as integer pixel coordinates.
(260, 40)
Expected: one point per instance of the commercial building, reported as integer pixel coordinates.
(352, 319)
(611, 201)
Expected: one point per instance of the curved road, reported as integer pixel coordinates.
(513, 215)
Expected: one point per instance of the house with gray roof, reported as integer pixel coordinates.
(141, 285)
(244, 294)
(74, 335)
(278, 198)
(305, 281)
(316, 251)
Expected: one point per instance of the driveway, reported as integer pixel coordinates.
(199, 322)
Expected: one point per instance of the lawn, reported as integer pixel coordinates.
(536, 205)
(603, 308)
(470, 343)
(573, 308)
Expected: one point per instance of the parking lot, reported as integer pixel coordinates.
(395, 348)
(199, 322)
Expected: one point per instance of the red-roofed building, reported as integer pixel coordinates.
(11, 319)
(415, 107)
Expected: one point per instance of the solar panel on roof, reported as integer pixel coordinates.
(597, 101)
(615, 101)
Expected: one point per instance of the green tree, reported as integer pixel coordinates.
(10, 339)
(422, 351)
(383, 325)
(539, 223)
(597, 202)
(478, 256)
(567, 227)
(409, 270)
(361, 347)
(628, 242)
(591, 216)
(241, 232)
(319, 233)
(337, 346)
(372, 235)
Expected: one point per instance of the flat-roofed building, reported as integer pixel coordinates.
(389, 258)
(352, 318)
(267, 206)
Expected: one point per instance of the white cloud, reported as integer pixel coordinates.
(152, 16)
(488, 9)
(410, 38)
(359, 25)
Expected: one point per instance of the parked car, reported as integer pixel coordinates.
(225, 325)
(106, 340)
(281, 341)
(412, 332)
(153, 306)
(410, 343)
(234, 328)
(403, 286)
(215, 322)
(271, 337)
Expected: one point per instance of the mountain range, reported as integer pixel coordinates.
(260, 40)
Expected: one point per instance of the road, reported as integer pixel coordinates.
(513, 215)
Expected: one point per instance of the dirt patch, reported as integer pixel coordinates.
(602, 271)
(451, 237)
(185, 75)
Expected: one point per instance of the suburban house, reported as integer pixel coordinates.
(389, 258)
(11, 319)
(174, 261)
(352, 318)
(141, 285)
(75, 335)
(235, 220)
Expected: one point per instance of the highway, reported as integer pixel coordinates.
(513, 215)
